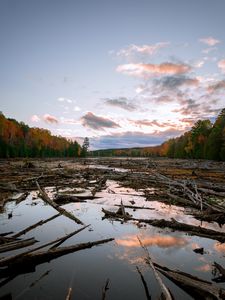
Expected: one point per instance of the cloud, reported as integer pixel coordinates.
(63, 99)
(97, 123)
(121, 102)
(153, 123)
(210, 41)
(132, 50)
(133, 139)
(50, 119)
(35, 119)
(76, 108)
(221, 65)
(147, 70)
(217, 87)
(174, 82)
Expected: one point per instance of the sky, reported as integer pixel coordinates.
(124, 73)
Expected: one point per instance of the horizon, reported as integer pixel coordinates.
(125, 75)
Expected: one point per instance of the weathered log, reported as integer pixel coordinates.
(165, 291)
(34, 226)
(221, 271)
(173, 224)
(69, 294)
(21, 197)
(17, 245)
(57, 207)
(144, 284)
(11, 259)
(48, 255)
(196, 287)
(105, 289)
(67, 199)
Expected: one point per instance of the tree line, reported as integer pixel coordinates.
(205, 140)
(19, 140)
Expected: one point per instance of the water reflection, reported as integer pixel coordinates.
(161, 241)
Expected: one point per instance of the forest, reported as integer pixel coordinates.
(205, 140)
(19, 140)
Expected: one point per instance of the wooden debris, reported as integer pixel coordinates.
(57, 207)
(67, 199)
(12, 259)
(17, 245)
(105, 289)
(165, 291)
(148, 297)
(34, 226)
(194, 286)
(221, 271)
(69, 294)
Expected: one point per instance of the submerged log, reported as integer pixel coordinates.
(148, 297)
(173, 224)
(48, 255)
(194, 286)
(56, 206)
(17, 245)
(69, 294)
(12, 259)
(105, 289)
(34, 226)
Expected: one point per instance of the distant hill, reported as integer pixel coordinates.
(204, 141)
(19, 140)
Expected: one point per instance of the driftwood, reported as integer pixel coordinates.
(21, 198)
(196, 287)
(173, 224)
(148, 297)
(221, 271)
(57, 207)
(67, 199)
(34, 226)
(17, 245)
(165, 291)
(12, 259)
(69, 294)
(105, 289)
(48, 255)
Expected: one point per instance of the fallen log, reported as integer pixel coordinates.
(48, 255)
(173, 224)
(105, 289)
(17, 245)
(34, 226)
(165, 291)
(69, 294)
(67, 199)
(148, 297)
(21, 198)
(11, 259)
(56, 206)
(194, 286)
(221, 271)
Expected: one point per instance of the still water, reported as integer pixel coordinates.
(86, 271)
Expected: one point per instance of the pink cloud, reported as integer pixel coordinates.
(146, 70)
(221, 65)
(210, 41)
(35, 119)
(50, 119)
(144, 49)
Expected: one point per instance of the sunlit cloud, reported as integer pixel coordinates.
(121, 102)
(133, 50)
(153, 123)
(174, 82)
(50, 119)
(220, 247)
(35, 119)
(97, 123)
(147, 70)
(221, 65)
(210, 41)
(76, 108)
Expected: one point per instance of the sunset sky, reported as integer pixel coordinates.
(123, 73)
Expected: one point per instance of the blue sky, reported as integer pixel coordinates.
(124, 73)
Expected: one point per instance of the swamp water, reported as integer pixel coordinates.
(86, 271)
